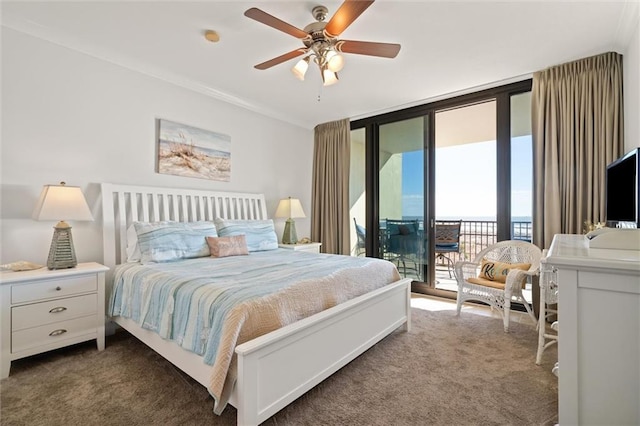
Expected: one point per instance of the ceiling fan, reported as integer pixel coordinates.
(321, 41)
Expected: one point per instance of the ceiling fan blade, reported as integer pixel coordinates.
(272, 21)
(384, 50)
(280, 59)
(345, 15)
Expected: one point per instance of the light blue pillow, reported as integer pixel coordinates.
(260, 234)
(167, 241)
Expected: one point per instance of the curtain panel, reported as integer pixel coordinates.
(330, 194)
(577, 127)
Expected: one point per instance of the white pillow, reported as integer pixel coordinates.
(133, 250)
(260, 234)
(168, 241)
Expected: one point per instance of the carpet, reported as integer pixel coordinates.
(447, 371)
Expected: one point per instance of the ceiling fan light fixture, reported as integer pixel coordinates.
(329, 77)
(300, 68)
(334, 60)
(320, 40)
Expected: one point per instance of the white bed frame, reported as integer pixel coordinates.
(276, 368)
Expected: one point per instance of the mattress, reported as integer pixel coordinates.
(210, 305)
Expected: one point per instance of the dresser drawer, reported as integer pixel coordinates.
(42, 313)
(48, 334)
(46, 289)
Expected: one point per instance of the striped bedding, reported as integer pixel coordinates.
(210, 305)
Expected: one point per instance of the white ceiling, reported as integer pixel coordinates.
(447, 47)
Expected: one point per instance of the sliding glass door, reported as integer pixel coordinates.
(521, 168)
(443, 181)
(401, 199)
(357, 193)
(465, 186)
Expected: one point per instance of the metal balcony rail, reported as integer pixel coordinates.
(477, 235)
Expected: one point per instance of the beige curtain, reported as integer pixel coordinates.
(330, 196)
(577, 126)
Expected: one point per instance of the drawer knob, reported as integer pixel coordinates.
(57, 332)
(58, 309)
(58, 288)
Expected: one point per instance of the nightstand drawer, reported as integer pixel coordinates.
(36, 314)
(47, 289)
(48, 334)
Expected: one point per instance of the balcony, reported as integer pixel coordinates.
(474, 237)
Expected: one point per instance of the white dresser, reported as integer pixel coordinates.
(43, 310)
(599, 332)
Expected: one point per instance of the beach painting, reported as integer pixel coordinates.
(191, 152)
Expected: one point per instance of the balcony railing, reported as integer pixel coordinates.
(475, 236)
(480, 234)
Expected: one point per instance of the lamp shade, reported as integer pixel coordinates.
(290, 208)
(335, 61)
(300, 68)
(61, 202)
(329, 77)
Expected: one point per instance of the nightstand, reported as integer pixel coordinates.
(309, 247)
(43, 310)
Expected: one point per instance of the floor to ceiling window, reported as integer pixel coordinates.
(471, 168)
(401, 195)
(521, 167)
(357, 192)
(465, 183)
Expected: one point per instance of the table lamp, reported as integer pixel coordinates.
(61, 202)
(290, 208)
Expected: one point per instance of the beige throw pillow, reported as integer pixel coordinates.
(228, 246)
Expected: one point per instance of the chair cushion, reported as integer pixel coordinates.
(497, 271)
(404, 230)
(447, 248)
(446, 245)
(487, 283)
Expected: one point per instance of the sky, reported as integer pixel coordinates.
(175, 132)
(466, 180)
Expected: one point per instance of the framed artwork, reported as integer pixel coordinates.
(191, 152)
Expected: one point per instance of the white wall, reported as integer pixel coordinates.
(69, 116)
(631, 82)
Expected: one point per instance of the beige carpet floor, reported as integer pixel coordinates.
(447, 371)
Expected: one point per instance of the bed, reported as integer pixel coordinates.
(268, 371)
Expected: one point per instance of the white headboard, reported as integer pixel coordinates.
(125, 204)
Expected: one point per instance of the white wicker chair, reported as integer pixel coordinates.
(548, 298)
(509, 251)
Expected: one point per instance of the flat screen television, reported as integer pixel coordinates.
(623, 190)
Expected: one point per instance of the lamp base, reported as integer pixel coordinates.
(289, 236)
(62, 254)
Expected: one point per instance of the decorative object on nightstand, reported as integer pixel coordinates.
(290, 208)
(21, 265)
(62, 202)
